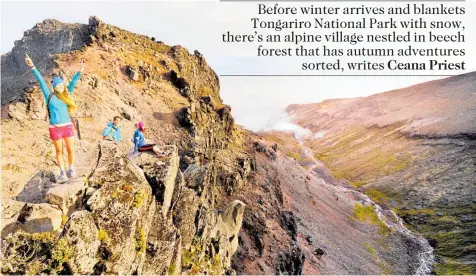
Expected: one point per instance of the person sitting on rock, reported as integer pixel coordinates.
(140, 144)
(113, 131)
(60, 105)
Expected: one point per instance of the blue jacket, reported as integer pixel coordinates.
(58, 109)
(138, 139)
(112, 131)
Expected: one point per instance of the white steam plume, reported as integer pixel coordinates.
(283, 121)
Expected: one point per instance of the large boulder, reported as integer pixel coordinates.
(68, 197)
(161, 174)
(195, 177)
(36, 104)
(81, 235)
(161, 245)
(18, 111)
(31, 218)
(35, 190)
(122, 208)
(132, 73)
(184, 215)
(227, 229)
(184, 116)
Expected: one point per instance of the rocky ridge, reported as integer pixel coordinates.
(120, 216)
(217, 177)
(111, 222)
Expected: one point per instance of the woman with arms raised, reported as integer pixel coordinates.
(60, 105)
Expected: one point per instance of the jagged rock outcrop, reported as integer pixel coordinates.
(108, 223)
(260, 147)
(291, 262)
(81, 235)
(211, 128)
(32, 107)
(37, 43)
(180, 83)
(123, 208)
(228, 226)
(161, 175)
(207, 80)
(130, 223)
(195, 176)
(147, 215)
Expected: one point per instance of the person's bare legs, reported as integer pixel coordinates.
(70, 149)
(59, 157)
(69, 141)
(59, 153)
(156, 149)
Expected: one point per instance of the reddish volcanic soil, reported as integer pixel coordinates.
(412, 150)
(325, 221)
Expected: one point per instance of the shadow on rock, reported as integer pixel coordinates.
(36, 189)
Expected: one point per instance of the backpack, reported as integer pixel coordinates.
(73, 119)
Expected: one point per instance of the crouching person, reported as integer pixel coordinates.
(113, 131)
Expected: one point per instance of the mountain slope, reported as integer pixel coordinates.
(410, 149)
(328, 229)
(183, 213)
(438, 108)
(105, 221)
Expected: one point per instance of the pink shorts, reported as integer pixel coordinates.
(57, 133)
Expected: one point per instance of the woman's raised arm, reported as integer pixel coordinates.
(75, 78)
(38, 76)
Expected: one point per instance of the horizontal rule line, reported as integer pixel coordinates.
(327, 75)
(401, 1)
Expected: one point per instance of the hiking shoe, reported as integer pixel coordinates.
(72, 172)
(162, 154)
(62, 177)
